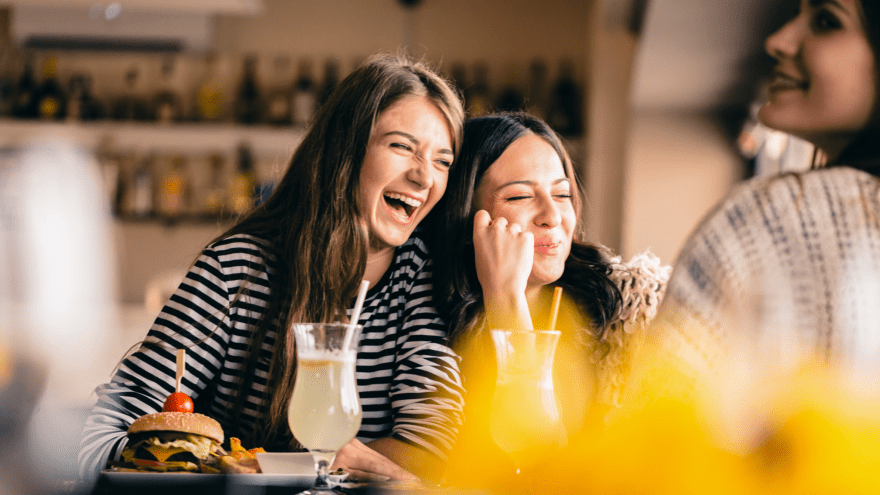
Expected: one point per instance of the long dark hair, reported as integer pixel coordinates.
(864, 152)
(457, 290)
(317, 241)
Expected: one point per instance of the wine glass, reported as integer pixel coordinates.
(325, 410)
(524, 419)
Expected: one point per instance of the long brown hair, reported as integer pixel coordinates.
(864, 152)
(458, 293)
(317, 242)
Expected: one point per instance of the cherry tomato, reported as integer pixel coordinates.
(178, 402)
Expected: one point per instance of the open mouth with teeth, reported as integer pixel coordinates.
(403, 205)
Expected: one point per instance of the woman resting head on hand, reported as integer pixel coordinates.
(372, 165)
(796, 253)
(510, 236)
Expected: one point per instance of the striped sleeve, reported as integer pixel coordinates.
(427, 397)
(193, 319)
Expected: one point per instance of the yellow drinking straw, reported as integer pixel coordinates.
(554, 310)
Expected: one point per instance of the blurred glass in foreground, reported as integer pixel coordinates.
(57, 288)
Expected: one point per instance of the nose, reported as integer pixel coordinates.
(785, 41)
(548, 215)
(419, 172)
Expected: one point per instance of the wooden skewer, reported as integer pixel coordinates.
(181, 366)
(554, 310)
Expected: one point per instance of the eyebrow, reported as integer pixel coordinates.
(531, 183)
(818, 3)
(415, 140)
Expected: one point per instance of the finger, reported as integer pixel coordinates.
(482, 218)
(364, 477)
(514, 228)
(381, 465)
(500, 223)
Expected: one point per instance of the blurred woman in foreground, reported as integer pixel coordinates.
(791, 264)
(509, 237)
(373, 164)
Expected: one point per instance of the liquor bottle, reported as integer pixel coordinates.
(536, 99)
(210, 98)
(458, 76)
(478, 96)
(110, 162)
(510, 98)
(331, 79)
(215, 189)
(50, 97)
(564, 113)
(81, 105)
(173, 193)
(24, 104)
(167, 107)
(247, 102)
(141, 201)
(130, 106)
(279, 99)
(7, 82)
(241, 187)
(305, 94)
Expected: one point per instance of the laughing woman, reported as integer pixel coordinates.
(373, 164)
(805, 247)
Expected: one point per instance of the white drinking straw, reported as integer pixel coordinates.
(356, 313)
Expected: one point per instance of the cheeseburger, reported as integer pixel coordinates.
(173, 441)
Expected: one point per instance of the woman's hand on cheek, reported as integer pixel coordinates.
(365, 464)
(503, 255)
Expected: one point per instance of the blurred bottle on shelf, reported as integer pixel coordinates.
(24, 104)
(210, 100)
(536, 94)
(141, 187)
(173, 193)
(243, 182)
(247, 102)
(7, 80)
(111, 165)
(279, 100)
(458, 76)
(331, 79)
(510, 98)
(564, 114)
(50, 97)
(478, 96)
(215, 188)
(129, 106)
(167, 106)
(81, 104)
(305, 94)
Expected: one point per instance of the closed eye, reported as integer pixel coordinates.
(568, 196)
(518, 198)
(824, 21)
(402, 146)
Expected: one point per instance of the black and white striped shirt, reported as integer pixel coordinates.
(408, 378)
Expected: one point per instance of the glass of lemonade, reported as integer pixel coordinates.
(325, 410)
(525, 420)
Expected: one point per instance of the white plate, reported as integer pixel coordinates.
(292, 463)
(201, 479)
(296, 463)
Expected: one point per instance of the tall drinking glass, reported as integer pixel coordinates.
(325, 410)
(524, 419)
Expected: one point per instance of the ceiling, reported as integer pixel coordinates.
(704, 54)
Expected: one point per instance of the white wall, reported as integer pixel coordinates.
(444, 31)
(679, 165)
